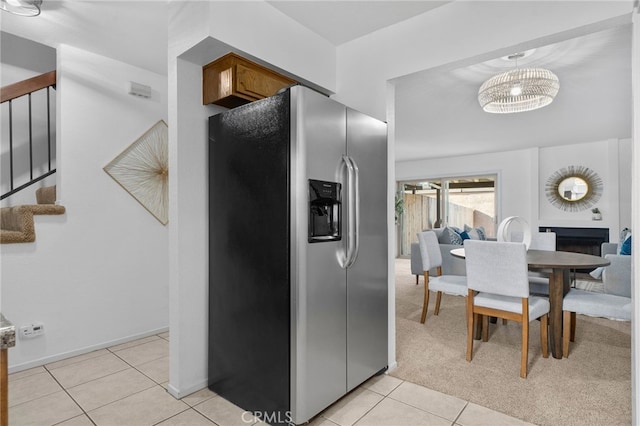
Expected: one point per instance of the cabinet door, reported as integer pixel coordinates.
(257, 83)
(231, 81)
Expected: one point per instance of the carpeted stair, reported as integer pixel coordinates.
(17, 224)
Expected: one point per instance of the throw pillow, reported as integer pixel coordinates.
(439, 232)
(624, 234)
(454, 236)
(626, 247)
(475, 233)
(597, 273)
(444, 237)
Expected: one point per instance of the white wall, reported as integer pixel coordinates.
(512, 167)
(189, 233)
(635, 217)
(603, 158)
(97, 275)
(522, 176)
(22, 59)
(625, 159)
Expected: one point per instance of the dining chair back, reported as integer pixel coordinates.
(485, 275)
(429, 250)
(539, 240)
(543, 241)
(432, 258)
(498, 286)
(539, 279)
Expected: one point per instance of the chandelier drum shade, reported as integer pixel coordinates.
(21, 7)
(518, 90)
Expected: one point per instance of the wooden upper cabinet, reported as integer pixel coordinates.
(232, 80)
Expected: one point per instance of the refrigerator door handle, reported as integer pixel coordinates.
(353, 221)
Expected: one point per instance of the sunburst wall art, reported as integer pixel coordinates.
(573, 188)
(143, 171)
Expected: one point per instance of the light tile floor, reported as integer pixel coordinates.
(125, 385)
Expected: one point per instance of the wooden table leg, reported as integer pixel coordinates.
(4, 388)
(559, 284)
(477, 326)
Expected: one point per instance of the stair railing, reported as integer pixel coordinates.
(7, 95)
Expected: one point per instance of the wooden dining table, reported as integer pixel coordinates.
(560, 263)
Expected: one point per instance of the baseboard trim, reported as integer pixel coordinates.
(53, 358)
(186, 391)
(392, 367)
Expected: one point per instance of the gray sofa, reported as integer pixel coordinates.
(450, 265)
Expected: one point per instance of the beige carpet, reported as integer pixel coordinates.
(591, 387)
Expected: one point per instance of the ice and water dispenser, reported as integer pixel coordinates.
(325, 208)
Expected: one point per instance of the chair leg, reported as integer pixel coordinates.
(425, 304)
(504, 321)
(470, 320)
(544, 336)
(438, 298)
(525, 349)
(485, 328)
(525, 338)
(566, 332)
(417, 276)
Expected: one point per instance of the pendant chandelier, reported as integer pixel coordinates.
(518, 90)
(21, 7)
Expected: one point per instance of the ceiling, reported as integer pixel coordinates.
(437, 114)
(343, 21)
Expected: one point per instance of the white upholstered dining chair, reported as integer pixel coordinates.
(614, 303)
(539, 280)
(498, 286)
(432, 258)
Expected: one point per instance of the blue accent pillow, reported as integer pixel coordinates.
(464, 236)
(626, 247)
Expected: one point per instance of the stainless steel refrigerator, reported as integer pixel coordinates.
(298, 291)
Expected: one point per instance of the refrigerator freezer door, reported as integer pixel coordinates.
(318, 320)
(367, 292)
(249, 289)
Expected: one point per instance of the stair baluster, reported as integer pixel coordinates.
(8, 94)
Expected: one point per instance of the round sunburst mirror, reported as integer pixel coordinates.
(574, 188)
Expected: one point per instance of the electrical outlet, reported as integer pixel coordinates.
(32, 330)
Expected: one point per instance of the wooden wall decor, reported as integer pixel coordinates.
(143, 171)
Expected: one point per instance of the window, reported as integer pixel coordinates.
(456, 201)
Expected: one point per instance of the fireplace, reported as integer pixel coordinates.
(579, 240)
